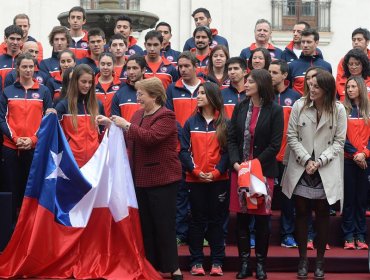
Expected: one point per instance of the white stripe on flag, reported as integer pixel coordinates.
(109, 173)
(257, 186)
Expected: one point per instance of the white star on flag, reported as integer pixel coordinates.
(57, 172)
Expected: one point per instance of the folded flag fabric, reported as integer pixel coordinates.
(251, 185)
(77, 223)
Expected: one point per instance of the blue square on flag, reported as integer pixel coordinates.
(59, 184)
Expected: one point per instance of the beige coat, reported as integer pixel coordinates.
(326, 139)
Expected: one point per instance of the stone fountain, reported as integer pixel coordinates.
(105, 15)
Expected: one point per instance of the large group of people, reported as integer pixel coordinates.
(206, 133)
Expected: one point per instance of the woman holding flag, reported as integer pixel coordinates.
(156, 169)
(255, 133)
(77, 114)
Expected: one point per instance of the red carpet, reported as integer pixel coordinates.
(337, 260)
(283, 259)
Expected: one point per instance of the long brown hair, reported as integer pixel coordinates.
(326, 82)
(264, 85)
(73, 94)
(363, 96)
(306, 88)
(211, 72)
(215, 99)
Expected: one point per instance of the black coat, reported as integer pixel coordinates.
(267, 138)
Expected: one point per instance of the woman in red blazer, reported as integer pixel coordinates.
(152, 140)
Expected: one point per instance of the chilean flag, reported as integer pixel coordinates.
(252, 184)
(77, 223)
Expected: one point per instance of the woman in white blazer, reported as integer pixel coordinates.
(316, 136)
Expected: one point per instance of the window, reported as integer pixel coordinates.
(120, 4)
(285, 13)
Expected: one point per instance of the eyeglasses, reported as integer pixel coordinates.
(33, 51)
(354, 64)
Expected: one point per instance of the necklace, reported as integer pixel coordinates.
(319, 114)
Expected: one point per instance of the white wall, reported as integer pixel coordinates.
(42, 13)
(235, 20)
(346, 16)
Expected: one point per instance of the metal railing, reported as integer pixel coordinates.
(123, 4)
(285, 13)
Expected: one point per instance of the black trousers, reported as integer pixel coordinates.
(157, 209)
(208, 207)
(16, 166)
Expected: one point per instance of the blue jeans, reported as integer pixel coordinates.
(356, 185)
(287, 217)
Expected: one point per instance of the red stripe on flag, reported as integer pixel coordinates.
(42, 248)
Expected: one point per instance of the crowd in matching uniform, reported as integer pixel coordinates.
(204, 131)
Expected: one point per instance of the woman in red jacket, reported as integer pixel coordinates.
(356, 163)
(107, 82)
(204, 155)
(355, 63)
(67, 60)
(152, 141)
(216, 70)
(22, 106)
(260, 58)
(77, 114)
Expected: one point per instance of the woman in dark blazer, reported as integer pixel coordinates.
(262, 140)
(152, 141)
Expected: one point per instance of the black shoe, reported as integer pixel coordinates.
(319, 270)
(244, 255)
(260, 271)
(302, 269)
(244, 271)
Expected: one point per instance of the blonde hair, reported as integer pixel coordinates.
(154, 87)
(73, 93)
